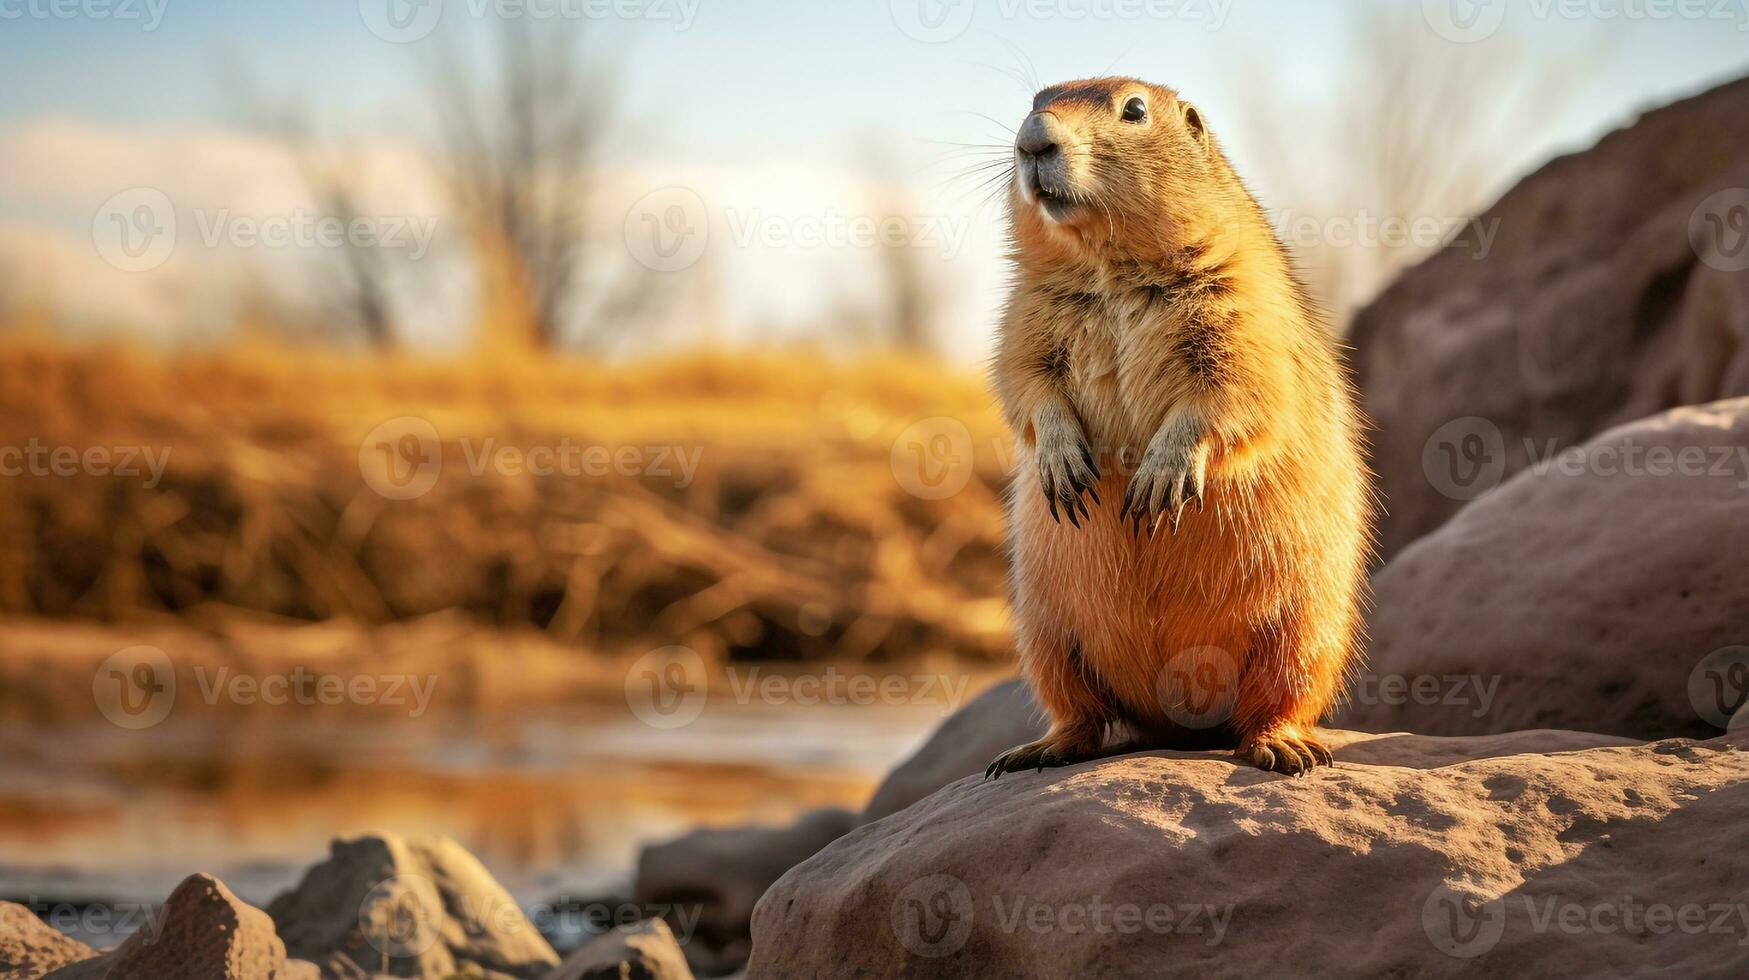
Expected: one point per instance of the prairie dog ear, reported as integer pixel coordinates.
(1193, 120)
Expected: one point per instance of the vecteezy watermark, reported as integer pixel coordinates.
(1718, 687)
(1096, 916)
(670, 687)
(1461, 923)
(407, 21)
(569, 458)
(139, 229)
(402, 458)
(1198, 687)
(939, 21)
(1473, 691)
(837, 687)
(1468, 21)
(1368, 230)
(1718, 230)
(403, 916)
(669, 229)
(147, 13)
(1466, 457)
(301, 686)
(933, 458)
(1634, 459)
(115, 921)
(835, 229)
(934, 916)
(1464, 925)
(124, 462)
(569, 916)
(136, 688)
(135, 230)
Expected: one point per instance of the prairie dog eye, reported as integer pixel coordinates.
(1136, 109)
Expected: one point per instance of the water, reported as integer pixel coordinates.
(554, 801)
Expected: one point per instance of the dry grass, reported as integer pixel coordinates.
(794, 540)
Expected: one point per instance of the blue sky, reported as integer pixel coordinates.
(773, 86)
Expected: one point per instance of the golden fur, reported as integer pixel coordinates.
(1157, 336)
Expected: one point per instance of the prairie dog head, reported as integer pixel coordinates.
(1114, 162)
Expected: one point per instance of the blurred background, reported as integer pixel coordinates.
(557, 424)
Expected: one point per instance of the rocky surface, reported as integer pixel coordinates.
(1608, 593)
(202, 932)
(1537, 853)
(420, 907)
(719, 873)
(1614, 289)
(642, 951)
(30, 948)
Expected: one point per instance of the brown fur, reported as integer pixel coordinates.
(1164, 306)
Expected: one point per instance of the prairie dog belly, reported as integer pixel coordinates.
(1141, 613)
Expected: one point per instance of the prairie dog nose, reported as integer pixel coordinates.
(1042, 133)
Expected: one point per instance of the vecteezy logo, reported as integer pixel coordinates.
(1718, 230)
(1465, 458)
(135, 688)
(667, 688)
(1460, 924)
(401, 21)
(933, 916)
(401, 917)
(401, 458)
(933, 458)
(1464, 21)
(1718, 687)
(135, 230)
(667, 229)
(1198, 687)
(932, 21)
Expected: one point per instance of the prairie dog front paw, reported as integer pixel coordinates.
(1169, 476)
(1066, 469)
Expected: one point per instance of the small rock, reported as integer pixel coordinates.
(202, 932)
(408, 908)
(641, 951)
(30, 948)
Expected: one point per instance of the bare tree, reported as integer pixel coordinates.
(906, 319)
(354, 279)
(11, 295)
(517, 142)
(1424, 134)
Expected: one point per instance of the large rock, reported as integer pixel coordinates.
(29, 948)
(716, 875)
(421, 907)
(1592, 307)
(1531, 854)
(202, 932)
(1608, 593)
(641, 951)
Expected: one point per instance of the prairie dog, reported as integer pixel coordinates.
(1190, 519)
